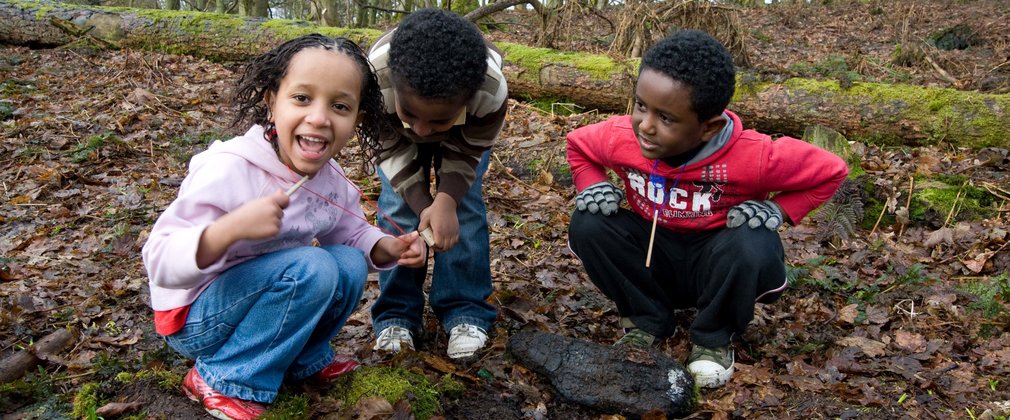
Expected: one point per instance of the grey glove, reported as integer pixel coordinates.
(755, 213)
(601, 197)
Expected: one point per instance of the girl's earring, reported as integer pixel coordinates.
(270, 133)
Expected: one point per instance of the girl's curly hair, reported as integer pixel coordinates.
(264, 74)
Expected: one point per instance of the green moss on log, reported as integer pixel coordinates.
(942, 113)
(598, 67)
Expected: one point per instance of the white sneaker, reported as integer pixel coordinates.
(465, 340)
(394, 338)
(711, 368)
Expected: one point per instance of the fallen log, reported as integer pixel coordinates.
(622, 379)
(869, 112)
(15, 365)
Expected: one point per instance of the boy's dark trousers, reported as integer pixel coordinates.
(721, 272)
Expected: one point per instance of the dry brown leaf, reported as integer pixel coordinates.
(943, 235)
(977, 264)
(116, 409)
(912, 342)
(848, 313)
(871, 348)
(876, 314)
(373, 408)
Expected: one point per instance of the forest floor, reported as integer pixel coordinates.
(906, 316)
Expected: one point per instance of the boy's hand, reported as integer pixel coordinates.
(407, 250)
(755, 213)
(601, 197)
(440, 216)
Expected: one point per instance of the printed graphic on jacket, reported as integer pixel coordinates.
(673, 199)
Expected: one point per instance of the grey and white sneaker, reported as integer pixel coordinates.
(394, 338)
(465, 340)
(711, 368)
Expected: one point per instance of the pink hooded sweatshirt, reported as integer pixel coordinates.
(222, 178)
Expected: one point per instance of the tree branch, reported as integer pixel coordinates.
(486, 10)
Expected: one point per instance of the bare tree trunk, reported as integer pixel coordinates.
(245, 7)
(331, 13)
(261, 8)
(362, 20)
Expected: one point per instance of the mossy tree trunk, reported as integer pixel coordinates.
(874, 112)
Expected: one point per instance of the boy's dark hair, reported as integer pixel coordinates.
(699, 61)
(438, 55)
(264, 74)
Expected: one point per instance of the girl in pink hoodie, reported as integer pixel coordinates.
(236, 282)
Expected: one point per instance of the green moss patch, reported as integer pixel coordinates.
(393, 384)
(971, 202)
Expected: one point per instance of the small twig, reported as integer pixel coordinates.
(990, 187)
(996, 68)
(1001, 248)
(943, 73)
(502, 165)
(962, 278)
(908, 202)
(957, 198)
(79, 375)
(910, 312)
(879, 218)
(569, 105)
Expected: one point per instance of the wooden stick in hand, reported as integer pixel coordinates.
(297, 185)
(428, 236)
(652, 238)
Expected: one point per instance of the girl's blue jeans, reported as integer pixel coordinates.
(461, 276)
(272, 317)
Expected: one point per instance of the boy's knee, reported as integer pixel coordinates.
(754, 243)
(585, 226)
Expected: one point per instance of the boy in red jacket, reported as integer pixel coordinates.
(706, 200)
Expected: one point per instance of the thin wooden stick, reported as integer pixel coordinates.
(297, 186)
(908, 202)
(652, 238)
(879, 218)
(428, 236)
(957, 198)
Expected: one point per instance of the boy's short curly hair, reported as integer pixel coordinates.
(438, 55)
(699, 61)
